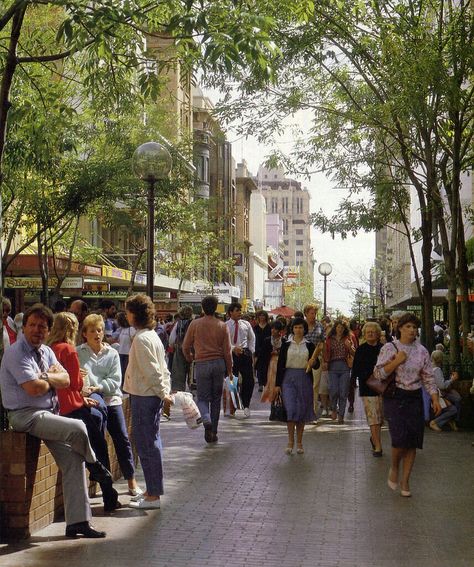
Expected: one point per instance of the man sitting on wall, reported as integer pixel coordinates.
(29, 376)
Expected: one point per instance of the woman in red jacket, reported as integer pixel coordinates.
(72, 404)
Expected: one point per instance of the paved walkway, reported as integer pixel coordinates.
(244, 503)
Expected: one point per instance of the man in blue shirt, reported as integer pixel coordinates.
(29, 377)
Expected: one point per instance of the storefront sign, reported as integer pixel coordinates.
(117, 273)
(37, 283)
(117, 294)
(161, 295)
(96, 286)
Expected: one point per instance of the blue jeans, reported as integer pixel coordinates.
(117, 429)
(339, 382)
(209, 376)
(146, 434)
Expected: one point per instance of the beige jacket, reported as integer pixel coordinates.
(147, 373)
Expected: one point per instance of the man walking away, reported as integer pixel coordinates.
(207, 343)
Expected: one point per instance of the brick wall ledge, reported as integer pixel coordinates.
(31, 495)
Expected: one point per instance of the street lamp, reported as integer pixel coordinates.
(325, 269)
(151, 162)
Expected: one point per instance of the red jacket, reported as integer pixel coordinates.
(69, 398)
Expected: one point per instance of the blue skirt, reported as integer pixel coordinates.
(297, 393)
(404, 413)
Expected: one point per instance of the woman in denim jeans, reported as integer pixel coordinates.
(338, 349)
(147, 380)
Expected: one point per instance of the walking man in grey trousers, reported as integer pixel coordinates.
(207, 342)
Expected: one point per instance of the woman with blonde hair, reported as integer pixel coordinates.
(62, 340)
(102, 363)
(365, 359)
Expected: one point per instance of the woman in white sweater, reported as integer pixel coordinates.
(147, 380)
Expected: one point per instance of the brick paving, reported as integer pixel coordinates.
(244, 503)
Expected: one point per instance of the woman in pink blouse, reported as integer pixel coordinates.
(404, 411)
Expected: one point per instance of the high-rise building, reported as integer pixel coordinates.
(287, 198)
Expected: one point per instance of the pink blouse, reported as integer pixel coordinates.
(414, 372)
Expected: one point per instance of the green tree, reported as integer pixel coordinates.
(387, 88)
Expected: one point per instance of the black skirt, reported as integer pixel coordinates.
(404, 413)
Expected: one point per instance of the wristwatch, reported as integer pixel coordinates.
(44, 376)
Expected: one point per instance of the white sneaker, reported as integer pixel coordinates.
(145, 504)
(246, 412)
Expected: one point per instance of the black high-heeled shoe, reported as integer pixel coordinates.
(84, 529)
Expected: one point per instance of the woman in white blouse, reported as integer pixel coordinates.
(295, 380)
(147, 380)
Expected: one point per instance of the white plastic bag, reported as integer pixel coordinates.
(191, 413)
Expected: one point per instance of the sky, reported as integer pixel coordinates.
(352, 258)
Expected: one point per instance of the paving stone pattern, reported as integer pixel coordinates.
(244, 503)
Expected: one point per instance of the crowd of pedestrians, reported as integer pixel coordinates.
(63, 377)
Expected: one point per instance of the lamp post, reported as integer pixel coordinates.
(325, 269)
(151, 162)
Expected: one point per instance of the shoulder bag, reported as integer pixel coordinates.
(385, 388)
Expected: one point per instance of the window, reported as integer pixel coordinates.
(299, 262)
(299, 252)
(284, 205)
(299, 243)
(285, 263)
(299, 231)
(285, 226)
(286, 253)
(274, 205)
(286, 242)
(299, 205)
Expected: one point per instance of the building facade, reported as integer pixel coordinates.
(287, 198)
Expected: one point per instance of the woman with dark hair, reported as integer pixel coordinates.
(269, 359)
(124, 336)
(295, 380)
(261, 331)
(147, 380)
(411, 363)
(337, 352)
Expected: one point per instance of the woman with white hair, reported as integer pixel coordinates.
(364, 362)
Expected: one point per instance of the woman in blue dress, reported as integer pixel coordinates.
(295, 381)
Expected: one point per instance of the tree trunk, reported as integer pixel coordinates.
(427, 329)
(463, 274)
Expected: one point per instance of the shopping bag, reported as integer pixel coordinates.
(232, 385)
(188, 406)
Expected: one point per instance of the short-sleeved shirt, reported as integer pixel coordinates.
(316, 335)
(19, 365)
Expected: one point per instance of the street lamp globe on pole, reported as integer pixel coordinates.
(325, 269)
(151, 163)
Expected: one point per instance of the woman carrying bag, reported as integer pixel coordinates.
(411, 365)
(295, 382)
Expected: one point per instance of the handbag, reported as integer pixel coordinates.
(278, 411)
(386, 387)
